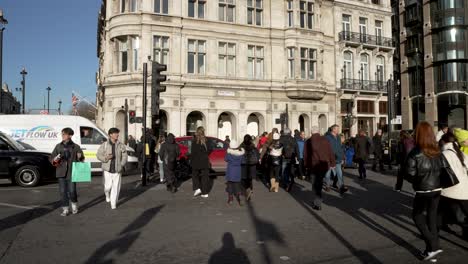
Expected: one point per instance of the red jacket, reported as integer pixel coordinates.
(318, 154)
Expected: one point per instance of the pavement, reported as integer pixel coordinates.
(369, 224)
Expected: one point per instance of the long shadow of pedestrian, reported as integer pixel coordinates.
(126, 238)
(265, 232)
(27, 216)
(229, 253)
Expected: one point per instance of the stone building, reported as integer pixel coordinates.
(9, 104)
(234, 65)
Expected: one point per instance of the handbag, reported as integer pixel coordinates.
(81, 172)
(447, 175)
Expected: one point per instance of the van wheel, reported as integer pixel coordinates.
(27, 176)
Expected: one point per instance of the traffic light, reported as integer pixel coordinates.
(156, 87)
(131, 116)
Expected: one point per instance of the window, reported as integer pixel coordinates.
(376, 2)
(196, 56)
(291, 64)
(135, 48)
(383, 107)
(346, 22)
(379, 31)
(255, 62)
(123, 55)
(161, 7)
(91, 136)
(363, 29)
(161, 49)
(308, 63)
(133, 5)
(123, 5)
(196, 8)
(254, 12)
(227, 10)
(227, 59)
(365, 107)
(307, 14)
(290, 11)
(365, 67)
(348, 65)
(380, 61)
(346, 106)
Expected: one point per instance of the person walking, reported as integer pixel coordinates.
(265, 156)
(405, 145)
(234, 158)
(378, 151)
(423, 167)
(132, 142)
(362, 150)
(62, 158)
(335, 142)
(169, 153)
(199, 159)
(457, 195)
(249, 165)
(275, 162)
(300, 147)
(289, 157)
(319, 158)
(161, 141)
(263, 139)
(113, 156)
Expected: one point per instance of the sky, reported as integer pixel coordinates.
(55, 40)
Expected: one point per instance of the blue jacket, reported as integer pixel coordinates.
(335, 143)
(300, 146)
(234, 160)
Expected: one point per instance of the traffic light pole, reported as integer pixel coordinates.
(145, 78)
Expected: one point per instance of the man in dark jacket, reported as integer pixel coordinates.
(151, 156)
(378, 150)
(62, 157)
(335, 142)
(169, 153)
(318, 157)
(290, 151)
(362, 149)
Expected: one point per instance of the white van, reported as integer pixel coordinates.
(43, 132)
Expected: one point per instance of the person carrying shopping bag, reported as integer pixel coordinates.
(113, 155)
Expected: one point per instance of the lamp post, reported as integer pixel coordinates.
(60, 107)
(48, 99)
(3, 22)
(23, 83)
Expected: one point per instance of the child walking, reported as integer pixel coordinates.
(234, 157)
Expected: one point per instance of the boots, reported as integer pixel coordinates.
(272, 184)
(276, 186)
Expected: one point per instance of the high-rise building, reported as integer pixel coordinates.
(234, 65)
(434, 74)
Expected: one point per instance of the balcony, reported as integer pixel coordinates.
(365, 39)
(363, 85)
(452, 86)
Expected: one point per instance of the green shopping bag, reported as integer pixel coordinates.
(81, 172)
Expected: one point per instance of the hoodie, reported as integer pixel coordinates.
(461, 136)
(234, 158)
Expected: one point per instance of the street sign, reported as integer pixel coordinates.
(396, 120)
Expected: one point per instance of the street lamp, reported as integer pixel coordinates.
(23, 83)
(48, 99)
(3, 22)
(60, 107)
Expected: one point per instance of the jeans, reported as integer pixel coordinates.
(286, 175)
(338, 174)
(318, 185)
(67, 191)
(425, 217)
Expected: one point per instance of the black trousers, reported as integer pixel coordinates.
(169, 174)
(300, 168)
(248, 173)
(378, 159)
(317, 186)
(201, 180)
(425, 217)
(275, 172)
(400, 177)
(362, 168)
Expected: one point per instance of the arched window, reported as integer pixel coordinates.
(348, 65)
(380, 62)
(364, 67)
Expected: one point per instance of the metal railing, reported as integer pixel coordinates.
(357, 37)
(363, 85)
(452, 86)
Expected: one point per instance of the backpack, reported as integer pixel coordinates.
(251, 157)
(289, 149)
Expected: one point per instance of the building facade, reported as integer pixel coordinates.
(234, 65)
(434, 72)
(9, 103)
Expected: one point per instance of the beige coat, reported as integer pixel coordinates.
(120, 156)
(459, 191)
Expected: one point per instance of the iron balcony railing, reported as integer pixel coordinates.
(365, 39)
(363, 85)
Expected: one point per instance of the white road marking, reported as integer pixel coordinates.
(18, 206)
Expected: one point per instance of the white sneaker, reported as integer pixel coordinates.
(74, 207)
(431, 255)
(65, 211)
(107, 197)
(205, 196)
(197, 192)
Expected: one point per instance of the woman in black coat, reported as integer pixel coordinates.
(249, 165)
(169, 153)
(200, 162)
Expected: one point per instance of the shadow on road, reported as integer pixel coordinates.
(27, 216)
(229, 253)
(126, 238)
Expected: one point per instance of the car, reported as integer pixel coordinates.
(25, 145)
(216, 157)
(27, 168)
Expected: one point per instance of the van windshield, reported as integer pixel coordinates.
(91, 136)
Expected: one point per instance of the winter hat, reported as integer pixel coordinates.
(233, 144)
(276, 136)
